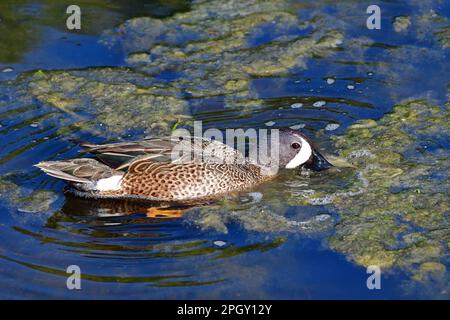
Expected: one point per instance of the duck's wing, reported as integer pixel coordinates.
(80, 170)
(165, 149)
(119, 154)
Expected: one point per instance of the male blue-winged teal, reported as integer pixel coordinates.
(145, 170)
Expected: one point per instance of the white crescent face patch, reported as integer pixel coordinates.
(302, 156)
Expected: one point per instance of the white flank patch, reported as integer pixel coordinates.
(301, 157)
(109, 184)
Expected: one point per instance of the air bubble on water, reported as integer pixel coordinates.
(219, 243)
(319, 103)
(332, 126)
(7, 69)
(322, 217)
(296, 105)
(298, 126)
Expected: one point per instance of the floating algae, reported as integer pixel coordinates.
(26, 201)
(118, 99)
(401, 23)
(398, 63)
(443, 36)
(270, 212)
(392, 199)
(401, 217)
(259, 218)
(215, 49)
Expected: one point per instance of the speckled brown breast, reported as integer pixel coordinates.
(169, 181)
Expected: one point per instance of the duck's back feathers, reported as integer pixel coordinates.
(195, 149)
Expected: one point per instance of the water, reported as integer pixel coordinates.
(125, 76)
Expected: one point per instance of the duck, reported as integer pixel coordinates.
(145, 169)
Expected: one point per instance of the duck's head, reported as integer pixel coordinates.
(297, 150)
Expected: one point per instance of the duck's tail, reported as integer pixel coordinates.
(84, 173)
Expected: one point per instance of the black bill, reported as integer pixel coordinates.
(317, 162)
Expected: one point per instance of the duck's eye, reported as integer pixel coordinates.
(295, 145)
